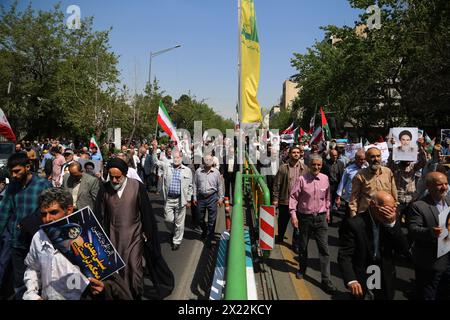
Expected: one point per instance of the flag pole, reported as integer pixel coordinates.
(239, 63)
(156, 128)
(239, 139)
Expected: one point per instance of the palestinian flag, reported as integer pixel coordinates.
(289, 130)
(325, 126)
(298, 134)
(166, 123)
(5, 128)
(93, 143)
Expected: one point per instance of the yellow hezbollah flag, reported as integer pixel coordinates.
(250, 110)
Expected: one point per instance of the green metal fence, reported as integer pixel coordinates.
(236, 276)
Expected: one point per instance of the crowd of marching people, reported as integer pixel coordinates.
(391, 208)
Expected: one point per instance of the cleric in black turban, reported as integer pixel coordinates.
(119, 164)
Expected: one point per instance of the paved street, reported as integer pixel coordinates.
(193, 264)
(285, 263)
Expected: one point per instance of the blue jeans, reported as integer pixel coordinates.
(210, 204)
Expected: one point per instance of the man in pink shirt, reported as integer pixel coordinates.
(309, 206)
(58, 161)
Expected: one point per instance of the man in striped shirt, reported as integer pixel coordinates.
(177, 193)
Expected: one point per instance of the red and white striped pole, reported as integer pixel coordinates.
(227, 214)
(267, 227)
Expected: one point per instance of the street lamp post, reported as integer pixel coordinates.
(154, 54)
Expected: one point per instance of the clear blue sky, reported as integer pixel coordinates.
(206, 63)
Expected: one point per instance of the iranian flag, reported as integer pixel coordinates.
(311, 124)
(5, 128)
(166, 123)
(93, 143)
(325, 126)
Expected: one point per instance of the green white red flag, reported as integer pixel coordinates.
(93, 143)
(166, 123)
(5, 127)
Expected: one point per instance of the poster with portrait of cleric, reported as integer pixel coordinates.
(405, 147)
(91, 167)
(82, 240)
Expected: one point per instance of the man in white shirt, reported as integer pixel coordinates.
(49, 275)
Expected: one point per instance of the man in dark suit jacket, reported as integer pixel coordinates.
(84, 186)
(432, 273)
(149, 175)
(371, 238)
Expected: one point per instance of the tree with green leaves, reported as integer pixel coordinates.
(59, 80)
(187, 109)
(393, 76)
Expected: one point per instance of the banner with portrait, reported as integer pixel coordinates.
(91, 167)
(82, 240)
(405, 147)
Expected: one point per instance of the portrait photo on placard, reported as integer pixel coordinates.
(91, 167)
(405, 147)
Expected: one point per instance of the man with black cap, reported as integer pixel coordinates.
(124, 207)
(68, 155)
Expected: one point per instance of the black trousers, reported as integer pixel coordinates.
(229, 180)
(283, 220)
(208, 204)
(18, 267)
(433, 285)
(317, 227)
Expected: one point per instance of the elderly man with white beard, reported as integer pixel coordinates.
(177, 192)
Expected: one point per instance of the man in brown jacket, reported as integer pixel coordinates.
(369, 181)
(285, 179)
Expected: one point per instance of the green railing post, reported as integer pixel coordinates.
(262, 184)
(236, 277)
